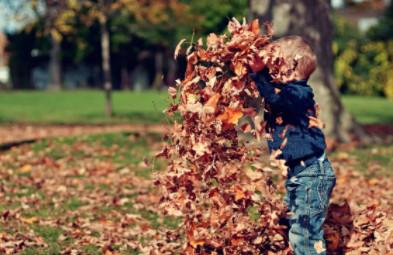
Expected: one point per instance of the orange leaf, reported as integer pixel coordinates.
(211, 104)
(193, 242)
(25, 168)
(237, 241)
(240, 69)
(29, 220)
(231, 115)
(254, 27)
(239, 193)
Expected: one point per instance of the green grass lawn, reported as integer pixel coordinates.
(370, 109)
(82, 107)
(87, 107)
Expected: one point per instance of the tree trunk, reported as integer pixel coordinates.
(20, 61)
(125, 78)
(20, 72)
(172, 68)
(106, 68)
(310, 19)
(55, 82)
(157, 83)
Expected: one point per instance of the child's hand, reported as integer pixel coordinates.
(315, 122)
(256, 63)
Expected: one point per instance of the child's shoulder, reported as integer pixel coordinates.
(298, 86)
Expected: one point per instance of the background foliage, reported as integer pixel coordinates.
(364, 61)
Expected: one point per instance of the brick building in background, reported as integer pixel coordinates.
(362, 13)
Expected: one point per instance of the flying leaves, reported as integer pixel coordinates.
(207, 181)
(178, 48)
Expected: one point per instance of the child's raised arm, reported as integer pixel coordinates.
(290, 97)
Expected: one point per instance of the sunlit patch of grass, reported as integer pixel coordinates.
(95, 234)
(40, 145)
(73, 204)
(10, 206)
(51, 237)
(89, 186)
(56, 153)
(152, 217)
(171, 221)
(91, 249)
(130, 251)
(41, 213)
(104, 186)
(27, 191)
(53, 249)
(144, 172)
(67, 140)
(104, 210)
(49, 234)
(31, 251)
(24, 174)
(253, 213)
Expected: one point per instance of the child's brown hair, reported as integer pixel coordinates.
(295, 48)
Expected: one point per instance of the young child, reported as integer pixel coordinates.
(297, 143)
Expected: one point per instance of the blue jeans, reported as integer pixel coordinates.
(308, 193)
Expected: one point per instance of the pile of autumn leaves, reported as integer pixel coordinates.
(226, 207)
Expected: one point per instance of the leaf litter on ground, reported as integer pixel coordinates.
(80, 202)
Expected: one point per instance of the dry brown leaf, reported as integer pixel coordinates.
(178, 48)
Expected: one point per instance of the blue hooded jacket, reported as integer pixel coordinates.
(286, 115)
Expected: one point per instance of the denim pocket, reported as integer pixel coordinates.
(315, 195)
(324, 190)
